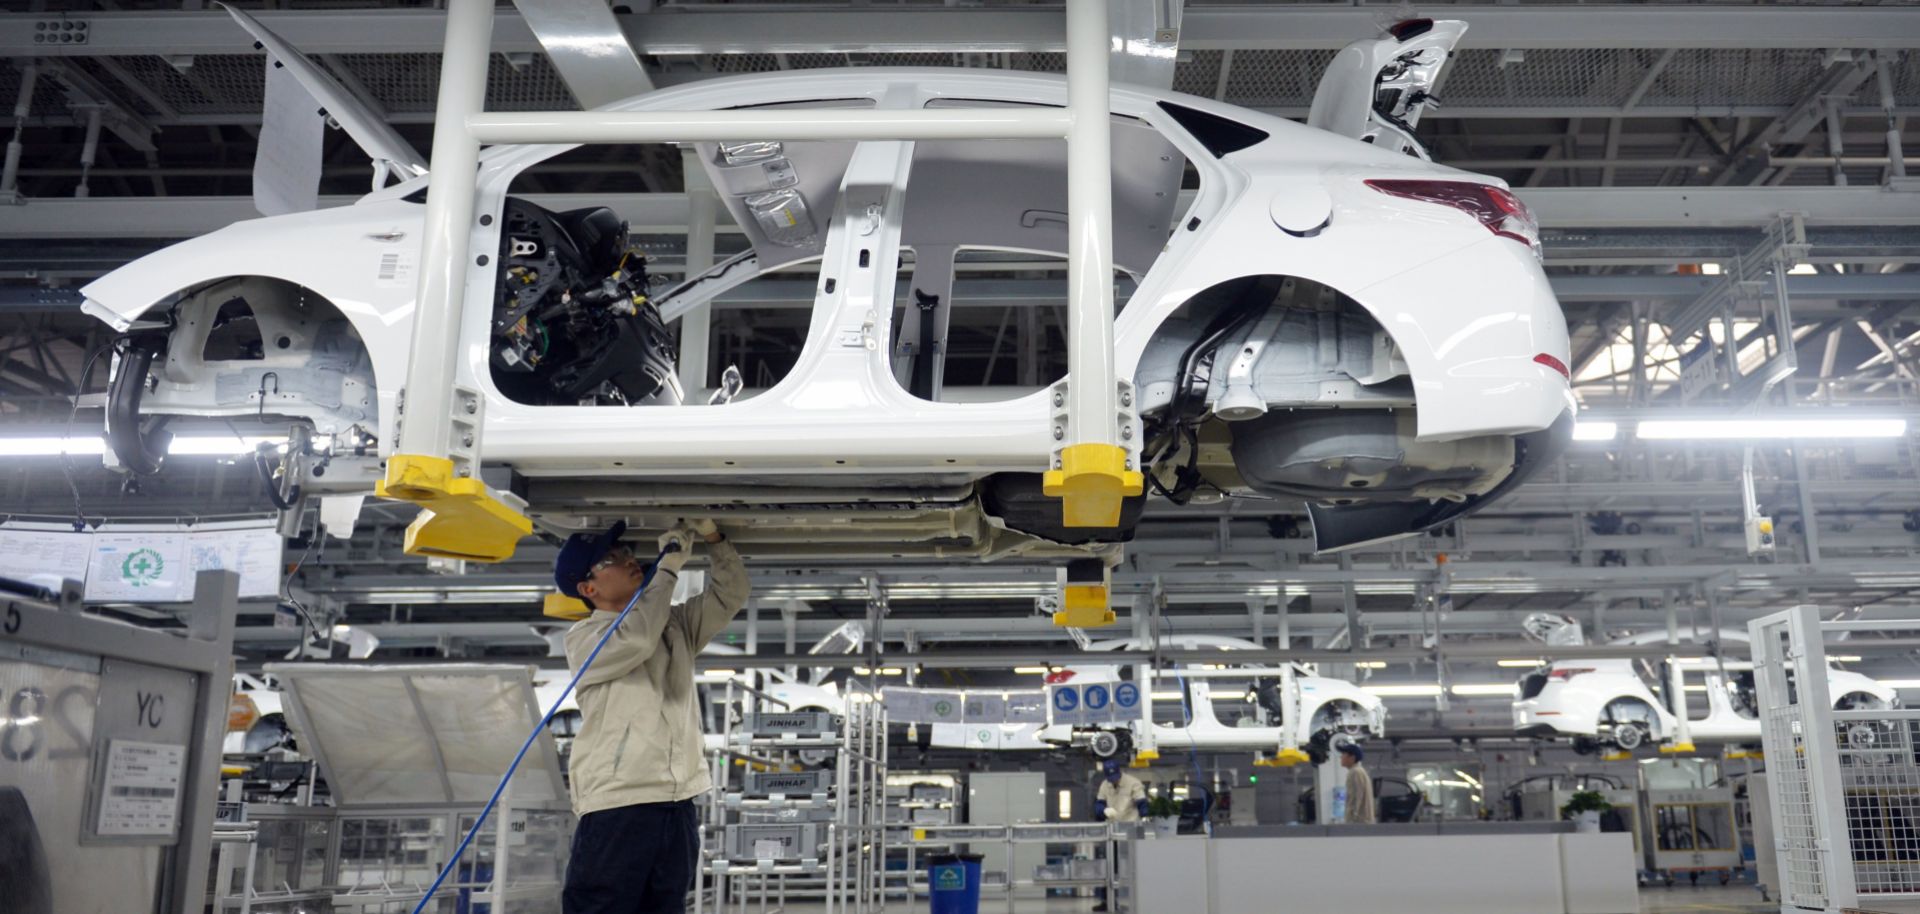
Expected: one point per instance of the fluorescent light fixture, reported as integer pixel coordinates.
(1167, 696)
(51, 447)
(1588, 430)
(1520, 663)
(1031, 670)
(1486, 688)
(723, 673)
(1407, 690)
(882, 671)
(1843, 658)
(1705, 429)
(181, 446)
(1370, 664)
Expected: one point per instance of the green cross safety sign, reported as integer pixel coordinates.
(142, 567)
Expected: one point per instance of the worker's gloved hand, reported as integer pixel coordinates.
(1111, 813)
(705, 527)
(676, 546)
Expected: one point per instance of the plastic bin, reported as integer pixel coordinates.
(953, 884)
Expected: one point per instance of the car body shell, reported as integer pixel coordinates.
(1575, 706)
(1467, 310)
(1203, 729)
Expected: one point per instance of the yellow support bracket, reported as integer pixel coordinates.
(1092, 481)
(461, 517)
(1676, 749)
(561, 606)
(1144, 758)
(1735, 754)
(1285, 758)
(1083, 606)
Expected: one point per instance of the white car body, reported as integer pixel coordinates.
(1327, 706)
(1573, 698)
(260, 696)
(1439, 337)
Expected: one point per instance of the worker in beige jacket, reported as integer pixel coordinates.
(636, 764)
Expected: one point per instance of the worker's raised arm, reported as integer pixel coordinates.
(631, 645)
(726, 593)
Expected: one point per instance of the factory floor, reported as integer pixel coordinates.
(1681, 899)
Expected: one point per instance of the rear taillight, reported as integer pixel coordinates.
(1497, 208)
(1568, 672)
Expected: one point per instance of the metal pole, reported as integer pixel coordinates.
(1896, 156)
(1809, 530)
(449, 222)
(22, 107)
(1090, 450)
(88, 149)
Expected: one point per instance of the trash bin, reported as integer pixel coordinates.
(953, 883)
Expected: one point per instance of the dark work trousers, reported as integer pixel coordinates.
(636, 859)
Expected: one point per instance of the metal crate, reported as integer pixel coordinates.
(773, 841)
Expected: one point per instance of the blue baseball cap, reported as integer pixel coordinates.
(580, 553)
(1110, 765)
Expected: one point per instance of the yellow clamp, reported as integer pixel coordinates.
(1616, 757)
(1092, 481)
(561, 606)
(1745, 754)
(1144, 758)
(1285, 758)
(1676, 749)
(1083, 606)
(462, 518)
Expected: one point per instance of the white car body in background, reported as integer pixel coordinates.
(1329, 706)
(255, 707)
(1609, 701)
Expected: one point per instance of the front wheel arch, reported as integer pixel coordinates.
(313, 360)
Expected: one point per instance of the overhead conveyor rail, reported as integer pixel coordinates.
(439, 444)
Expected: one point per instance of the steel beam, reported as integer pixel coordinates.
(765, 30)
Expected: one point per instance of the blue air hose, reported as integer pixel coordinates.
(541, 727)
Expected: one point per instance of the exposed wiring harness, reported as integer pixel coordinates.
(1179, 425)
(80, 390)
(541, 727)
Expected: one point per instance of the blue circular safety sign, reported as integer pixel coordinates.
(1066, 699)
(1096, 697)
(1126, 695)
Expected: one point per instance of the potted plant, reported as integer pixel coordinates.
(1584, 808)
(1163, 814)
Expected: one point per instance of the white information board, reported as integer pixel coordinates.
(143, 567)
(141, 794)
(44, 557)
(254, 554)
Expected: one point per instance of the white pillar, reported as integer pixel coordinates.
(696, 326)
(449, 224)
(1091, 412)
(1682, 729)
